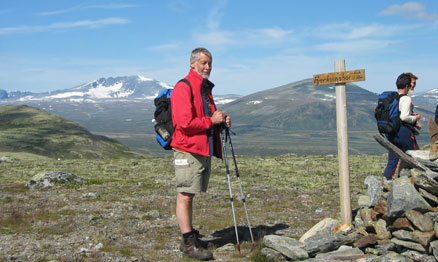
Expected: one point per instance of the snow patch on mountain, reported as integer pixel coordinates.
(328, 97)
(66, 95)
(254, 102)
(223, 101)
(165, 85)
(142, 78)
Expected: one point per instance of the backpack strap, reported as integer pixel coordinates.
(187, 83)
(191, 90)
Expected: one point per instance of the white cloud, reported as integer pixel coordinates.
(164, 47)
(65, 25)
(274, 33)
(217, 38)
(84, 7)
(355, 31)
(354, 46)
(410, 10)
(215, 15)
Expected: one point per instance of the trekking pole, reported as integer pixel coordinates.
(224, 151)
(227, 132)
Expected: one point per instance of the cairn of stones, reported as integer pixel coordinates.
(396, 221)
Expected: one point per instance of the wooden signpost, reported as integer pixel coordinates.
(339, 78)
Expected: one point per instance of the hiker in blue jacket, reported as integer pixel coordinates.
(405, 138)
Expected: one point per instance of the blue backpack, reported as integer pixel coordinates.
(387, 113)
(163, 117)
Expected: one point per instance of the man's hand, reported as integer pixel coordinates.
(218, 117)
(418, 116)
(227, 121)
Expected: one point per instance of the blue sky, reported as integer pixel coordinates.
(256, 45)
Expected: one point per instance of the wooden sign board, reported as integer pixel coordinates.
(339, 77)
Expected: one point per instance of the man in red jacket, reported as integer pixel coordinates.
(195, 140)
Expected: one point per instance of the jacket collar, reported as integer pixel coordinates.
(206, 82)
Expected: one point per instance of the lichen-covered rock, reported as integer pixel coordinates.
(420, 221)
(321, 227)
(49, 179)
(343, 253)
(374, 189)
(328, 242)
(289, 247)
(403, 197)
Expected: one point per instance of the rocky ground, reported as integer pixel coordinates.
(124, 211)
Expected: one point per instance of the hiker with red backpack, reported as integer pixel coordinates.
(195, 140)
(405, 137)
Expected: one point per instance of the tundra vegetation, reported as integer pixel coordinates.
(124, 211)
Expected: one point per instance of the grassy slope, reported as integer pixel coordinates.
(27, 129)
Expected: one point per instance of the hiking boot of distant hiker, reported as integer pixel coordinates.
(190, 248)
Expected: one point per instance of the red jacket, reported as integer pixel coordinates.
(191, 124)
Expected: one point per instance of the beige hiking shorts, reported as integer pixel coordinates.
(192, 172)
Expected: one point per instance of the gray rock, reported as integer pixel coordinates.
(343, 253)
(381, 249)
(272, 254)
(403, 197)
(435, 228)
(390, 257)
(153, 214)
(426, 182)
(49, 179)
(368, 222)
(420, 221)
(424, 238)
(227, 247)
(322, 227)
(364, 201)
(289, 247)
(428, 196)
(405, 172)
(418, 257)
(4, 159)
(381, 230)
(409, 245)
(327, 242)
(89, 195)
(372, 258)
(434, 248)
(374, 189)
(403, 234)
(394, 257)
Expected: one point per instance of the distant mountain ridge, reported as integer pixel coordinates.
(111, 88)
(297, 117)
(302, 106)
(427, 99)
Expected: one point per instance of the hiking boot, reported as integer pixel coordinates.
(202, 243)
(191, 249)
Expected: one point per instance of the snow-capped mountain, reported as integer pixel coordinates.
(113, 88)
(427, 99)
(128, 87)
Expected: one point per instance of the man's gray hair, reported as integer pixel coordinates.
(197, 51)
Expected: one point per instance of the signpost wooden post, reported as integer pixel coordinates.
(339, 78)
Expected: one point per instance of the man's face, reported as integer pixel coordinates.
(202, 66)
(413, 84)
